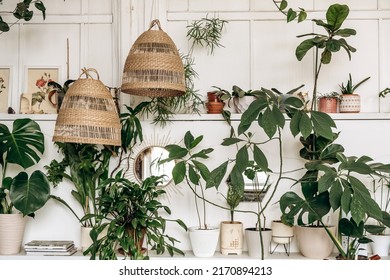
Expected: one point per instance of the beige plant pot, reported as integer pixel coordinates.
(380, 244)
(350, 103)
(252, 237)
(314, 242)
(231, 238)
(11, 233)
(85, 238)
(281, 233)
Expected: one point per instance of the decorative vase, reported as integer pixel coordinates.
(350, 103)
(242, 103)
(327, 104)
(203, 241)
(231, 238)
(85, 239)
(253, 242)
(380, 244)
(11, 233)
(281, 233)
(314, 242)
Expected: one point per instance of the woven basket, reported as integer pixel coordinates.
(153, 67)
(88, 114)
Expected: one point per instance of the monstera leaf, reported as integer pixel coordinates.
(21, 146)
(29, 194)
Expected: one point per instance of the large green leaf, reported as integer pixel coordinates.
(24, 144)
(179, 172)
(336, 15)
(30, 194)
(303, 48)
(323, 124)
(216, 176)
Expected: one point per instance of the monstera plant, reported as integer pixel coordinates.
(22, 148)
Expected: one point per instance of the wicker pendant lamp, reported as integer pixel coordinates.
(153, 67)
(88, 114)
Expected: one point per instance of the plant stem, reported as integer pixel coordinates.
(316, 75)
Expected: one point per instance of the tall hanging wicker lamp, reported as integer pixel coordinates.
(154, 67)
(88, 114)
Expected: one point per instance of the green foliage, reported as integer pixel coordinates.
(129, 212)
(189, 168)
(23, 147)
(290, 13)
(350, 88)
(87, 165)
(22, 12)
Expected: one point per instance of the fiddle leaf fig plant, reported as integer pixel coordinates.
(23, 147)
(329, 43)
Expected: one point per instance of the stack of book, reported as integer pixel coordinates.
(50, 248)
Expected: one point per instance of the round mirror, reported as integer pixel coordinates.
(148, 163)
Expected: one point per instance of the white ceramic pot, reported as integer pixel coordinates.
(252, 237)
(314, 242)
(350, 103)
(380, 244)
(85, 239)
(232, 238)
(203, 241)
(281, 233)
(11, 233)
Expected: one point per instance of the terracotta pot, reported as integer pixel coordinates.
(327, 104)
(212, 96)
(232, 238)
(350, 103)
(214, 107)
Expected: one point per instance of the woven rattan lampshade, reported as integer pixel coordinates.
(88, 114)
(153, 67)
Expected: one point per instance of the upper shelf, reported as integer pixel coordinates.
(205, 117)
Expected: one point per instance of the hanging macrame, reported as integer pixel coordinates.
(154, 67)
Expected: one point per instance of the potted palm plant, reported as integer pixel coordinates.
(21, 195)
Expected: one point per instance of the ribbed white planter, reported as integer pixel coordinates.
(252, 237)
(203, 241)
(232, 238)
(314, 242)
(380, 244)
(11, 233)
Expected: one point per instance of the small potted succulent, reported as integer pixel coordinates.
(350, 102)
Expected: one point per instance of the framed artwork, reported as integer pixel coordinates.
(4, 89)
(39, 97)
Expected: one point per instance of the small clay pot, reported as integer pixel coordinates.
(215, 107)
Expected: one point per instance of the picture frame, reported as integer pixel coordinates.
(5, 75)
(38, 97)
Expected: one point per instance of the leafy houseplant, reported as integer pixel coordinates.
(23, 146)
(22, 11)
(131, 212)
(86, 166)
(349, 87)
(329, 43)
(21, 195)
(328, 102)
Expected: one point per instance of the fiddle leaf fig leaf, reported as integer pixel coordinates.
(322, 124)
(303, 48)
(336, 15)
